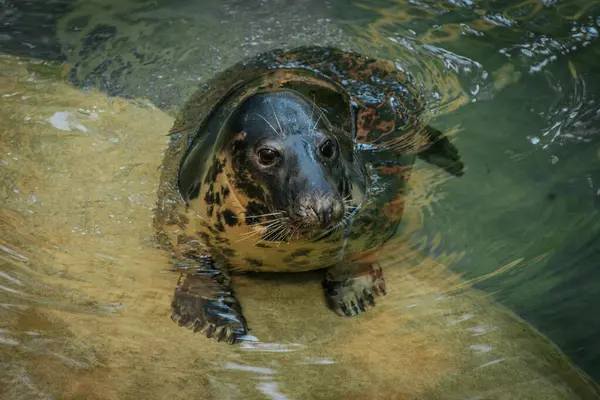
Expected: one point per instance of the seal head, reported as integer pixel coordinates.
(286, 144)
(286, 162)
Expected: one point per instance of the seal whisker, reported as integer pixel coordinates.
(271, 235)
(282, 230)
(286, 237)
(328, 231)
(276, 119)
(270, 225)
(269, 221)
(347, 219)
(318, 119)
(247, 235)
(271, 125)
(281, 237)
(274, 230)
(274, 234)
(265, 223)
(266, 215)
(291, 236)
(312, 110)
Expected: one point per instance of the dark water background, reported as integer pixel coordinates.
(518, 81)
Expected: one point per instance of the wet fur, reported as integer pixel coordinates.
(218, 213)
(208, 199)
(226, 204)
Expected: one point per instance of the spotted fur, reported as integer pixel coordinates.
(212, 203)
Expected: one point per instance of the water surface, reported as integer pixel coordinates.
(84, 292)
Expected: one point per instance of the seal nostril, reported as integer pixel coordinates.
(338, 210)
(311, 213)
(319, 210)
(325, 217)
(298, 212)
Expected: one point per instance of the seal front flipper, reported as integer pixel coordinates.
(204, 302)
(351, 288)
(442, 153)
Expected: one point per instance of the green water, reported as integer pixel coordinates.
(516, 84)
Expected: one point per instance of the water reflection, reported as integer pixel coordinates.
(84, 293)
(533, 196)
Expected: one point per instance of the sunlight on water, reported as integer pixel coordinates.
(85, 295)
(85, 290)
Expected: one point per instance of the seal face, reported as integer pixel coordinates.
(286, 161)
(300, 162)
(280, 177)
(290, 162)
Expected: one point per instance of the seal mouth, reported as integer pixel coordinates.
(350, 211)
(297, 231)
(278, 227)
(282, 229)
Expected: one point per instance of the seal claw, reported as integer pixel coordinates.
(356, 294)
(213, 317)
(369, 297)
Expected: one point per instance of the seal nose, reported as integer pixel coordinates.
(321, 210)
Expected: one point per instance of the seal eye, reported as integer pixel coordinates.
(267, 156)
(327, 149)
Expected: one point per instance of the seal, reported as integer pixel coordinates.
(290, 161)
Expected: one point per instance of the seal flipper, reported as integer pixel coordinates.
(351, 288)
(442, 153)
(204, 301)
